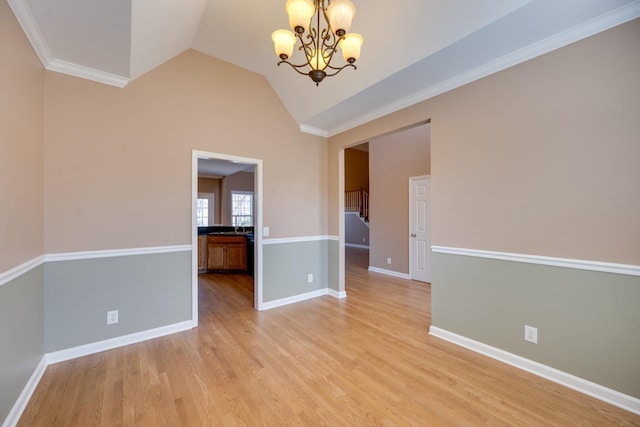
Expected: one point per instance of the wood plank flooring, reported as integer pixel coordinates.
(366, 360)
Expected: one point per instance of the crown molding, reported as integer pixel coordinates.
(31, 29)
(581, 31)
(86, 73)
(313, 130)
(27, 21)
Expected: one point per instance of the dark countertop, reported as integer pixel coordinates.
(227, 230)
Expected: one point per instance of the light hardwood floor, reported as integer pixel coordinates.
(365, 360)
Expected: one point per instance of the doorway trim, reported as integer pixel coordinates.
(257, 226)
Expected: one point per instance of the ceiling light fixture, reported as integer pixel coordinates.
(323, 40)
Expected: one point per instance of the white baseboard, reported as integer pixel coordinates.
(21, 403)
(303, 297)
(296, 298)
(389, 272)
(605, 394)
(336, 294)
(96, 347)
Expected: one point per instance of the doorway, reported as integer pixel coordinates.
(222, 161)
(394, 158)
(419, 228)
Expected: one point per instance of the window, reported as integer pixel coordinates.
(204, 209)
(242, 208)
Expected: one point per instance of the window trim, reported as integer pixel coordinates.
(211, 197)
(253, 202)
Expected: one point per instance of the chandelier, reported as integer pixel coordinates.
(320, 42)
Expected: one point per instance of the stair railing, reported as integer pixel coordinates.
(357, 201)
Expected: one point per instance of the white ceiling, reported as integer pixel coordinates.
(413, 49)
(219, 168)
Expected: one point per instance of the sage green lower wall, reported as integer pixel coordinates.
(21, 334)
(149, 291)
(334, 262)
(287, 265)
(588, 322)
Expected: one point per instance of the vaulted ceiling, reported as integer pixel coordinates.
(413, 49)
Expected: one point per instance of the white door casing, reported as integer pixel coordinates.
(257, 218)
(419, 228)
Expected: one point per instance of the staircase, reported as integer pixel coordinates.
(357, 201)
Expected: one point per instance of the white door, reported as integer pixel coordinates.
(419, 228)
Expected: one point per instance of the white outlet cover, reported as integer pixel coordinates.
(531, 334)
(112, 317)
(265, 231)
(310, 278)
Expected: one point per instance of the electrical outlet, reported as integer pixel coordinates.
(364, 239)
(389, 261)
(112, 317)
(265, 231)
(531, 334)
(310, 278)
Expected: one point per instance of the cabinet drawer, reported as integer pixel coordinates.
(226, 239)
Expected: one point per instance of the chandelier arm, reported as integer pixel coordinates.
(338, 69)
(295, 67)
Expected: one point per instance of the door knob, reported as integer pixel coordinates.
(413, 234)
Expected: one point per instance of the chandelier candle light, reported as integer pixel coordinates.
(323, 40)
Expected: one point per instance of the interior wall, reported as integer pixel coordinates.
(538, 159)
(212, 185)
(239, 181)
(138, 195)
(21, 145)
(394, 158)
(356, 169)
(144, 135)
(21, 211)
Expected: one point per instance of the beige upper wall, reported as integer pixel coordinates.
(212, 185)
(393, 159)
(118, 161)
(21, 130)
(540, 159)
(240, 181)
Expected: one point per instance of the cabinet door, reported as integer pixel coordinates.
(202, 252)
(236, 256)
(216, 256)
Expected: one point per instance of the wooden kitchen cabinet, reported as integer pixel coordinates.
(202, 252)
(227, 253)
